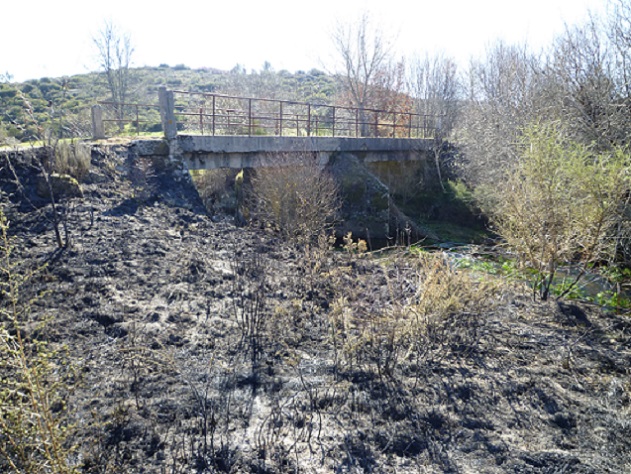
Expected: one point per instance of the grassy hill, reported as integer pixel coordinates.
(63, 104)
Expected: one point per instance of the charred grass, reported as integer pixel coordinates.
(203, 347)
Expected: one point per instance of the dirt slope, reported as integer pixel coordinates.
(203, 347)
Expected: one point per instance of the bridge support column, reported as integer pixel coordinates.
(167, 113)
(98, 131)
(169, 124)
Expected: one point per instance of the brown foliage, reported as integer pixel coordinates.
(296, 197)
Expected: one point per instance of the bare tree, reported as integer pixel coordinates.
(115, 51)
(435, 87)
(618, 28)
(581, 65)
(367, 68)
(389, 87)
(506, 91)
(591, 64)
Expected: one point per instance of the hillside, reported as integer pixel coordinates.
(187, 344)
(63, 104)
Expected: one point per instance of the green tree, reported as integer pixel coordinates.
(562, 204)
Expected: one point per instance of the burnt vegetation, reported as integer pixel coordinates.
(226, 321)
(192, 345)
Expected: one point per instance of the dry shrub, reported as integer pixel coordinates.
(250, 302)
(216, 188)
(430, 310)
(445, 311)
(72, 158)
(296, 197)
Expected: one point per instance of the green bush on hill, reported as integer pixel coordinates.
(47, 100)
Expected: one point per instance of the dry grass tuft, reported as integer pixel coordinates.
(431, 310)
(72, 158)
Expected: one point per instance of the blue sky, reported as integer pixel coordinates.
(53, 38)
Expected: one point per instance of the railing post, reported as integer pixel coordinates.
(201, 120)
(98, 131)
(308, 120)
(376, 123)
(280, 123)
(249, 117)
(167, 113)
(214, 115)
(333, 131)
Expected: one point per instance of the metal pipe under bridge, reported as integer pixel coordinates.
(208, 131)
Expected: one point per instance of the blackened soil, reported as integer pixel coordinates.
(198, 346)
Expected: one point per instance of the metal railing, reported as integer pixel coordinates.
(219, 114)
(130, 117)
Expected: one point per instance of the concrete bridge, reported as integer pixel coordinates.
(204, 153)
(372, 153)
(209, 131)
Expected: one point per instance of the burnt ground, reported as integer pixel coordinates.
(199, 346)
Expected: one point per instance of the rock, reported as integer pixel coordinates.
(62, 185)
(150, 147)
(96, 176)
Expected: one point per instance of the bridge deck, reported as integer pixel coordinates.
(270, 144)
(208, 152)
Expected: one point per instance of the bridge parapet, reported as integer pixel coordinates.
(204, 152)
(220, 114)
(206, 144)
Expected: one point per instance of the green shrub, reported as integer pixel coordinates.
(560, 204)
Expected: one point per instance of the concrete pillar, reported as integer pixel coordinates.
(98, 131)
(167, 113)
